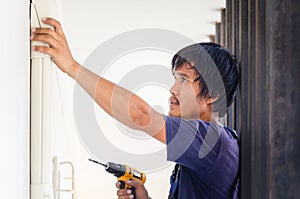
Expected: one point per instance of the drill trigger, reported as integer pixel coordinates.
(122, 184)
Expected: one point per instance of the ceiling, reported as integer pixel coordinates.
(89, 23)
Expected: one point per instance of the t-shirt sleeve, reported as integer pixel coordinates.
(192, 143)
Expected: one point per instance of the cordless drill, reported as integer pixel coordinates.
(123, 173)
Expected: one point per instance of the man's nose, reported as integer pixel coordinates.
(174, 90)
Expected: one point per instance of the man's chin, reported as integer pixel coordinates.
(173, 114)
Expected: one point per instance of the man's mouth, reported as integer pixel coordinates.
(173, 102)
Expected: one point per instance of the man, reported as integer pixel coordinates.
(206, 77)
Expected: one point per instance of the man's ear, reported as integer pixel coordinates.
(210, 100)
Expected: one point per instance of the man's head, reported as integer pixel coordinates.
(211, 74)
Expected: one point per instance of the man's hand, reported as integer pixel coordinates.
(58, 47)
(140, 190)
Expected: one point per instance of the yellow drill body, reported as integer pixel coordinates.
(131, 173)
(124, 173)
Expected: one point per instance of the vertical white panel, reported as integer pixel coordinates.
(14, 100)
(41, 107)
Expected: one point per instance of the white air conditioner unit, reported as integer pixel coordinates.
(42, 72)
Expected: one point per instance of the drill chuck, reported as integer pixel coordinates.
(117, 169)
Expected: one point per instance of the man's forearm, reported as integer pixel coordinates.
(115, 100)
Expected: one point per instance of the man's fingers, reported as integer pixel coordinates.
(45, 38)
(46, 31)
(124, 193)
(44, 49)
(55, 24)
(133, 183)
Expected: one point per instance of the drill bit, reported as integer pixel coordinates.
(98, 162)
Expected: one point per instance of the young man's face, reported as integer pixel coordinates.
(184, 102)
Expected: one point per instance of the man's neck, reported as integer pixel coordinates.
(212, 117)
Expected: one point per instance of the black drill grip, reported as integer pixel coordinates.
(123, 185)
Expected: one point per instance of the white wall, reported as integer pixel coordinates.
(14, 100)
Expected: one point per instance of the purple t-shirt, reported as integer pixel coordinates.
(208, 156)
